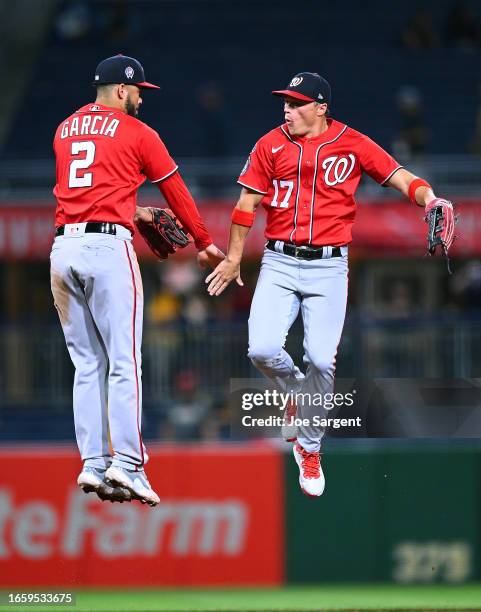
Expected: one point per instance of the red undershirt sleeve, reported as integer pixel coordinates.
(182, 204)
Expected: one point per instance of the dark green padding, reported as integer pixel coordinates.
(409, 513)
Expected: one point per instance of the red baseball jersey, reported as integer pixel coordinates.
(103, 156)
(309, 183)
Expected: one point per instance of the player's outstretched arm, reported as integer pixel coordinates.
(402, 180)
(242, 220)
(439, 213)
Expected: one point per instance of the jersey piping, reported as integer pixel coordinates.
(166, 176)
(392, 173)
(298, 188)
(314, 181)
(253, 188)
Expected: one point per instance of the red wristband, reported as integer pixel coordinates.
(242, 217)
(413, 185)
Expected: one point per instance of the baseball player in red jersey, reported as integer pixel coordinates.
(103, 154)
(305, 173)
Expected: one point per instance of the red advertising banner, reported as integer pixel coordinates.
(26, 232)
(394, 228)
(220, 521)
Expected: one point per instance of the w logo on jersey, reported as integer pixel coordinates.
(338, 169)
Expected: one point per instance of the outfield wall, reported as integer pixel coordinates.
(220, 521)
(397, 512)
(234, 515)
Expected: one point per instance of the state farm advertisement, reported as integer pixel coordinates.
(220, 521)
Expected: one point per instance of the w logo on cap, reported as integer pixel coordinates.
(129, 72)
(296, 81)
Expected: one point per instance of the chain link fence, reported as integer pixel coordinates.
(36, 369)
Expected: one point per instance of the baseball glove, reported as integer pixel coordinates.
(163, 234)
(439, 215)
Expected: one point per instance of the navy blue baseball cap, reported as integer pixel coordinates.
(308, 86)
(122, 69)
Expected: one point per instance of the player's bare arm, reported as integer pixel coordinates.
(229, 269)
(439, 213)
(402, 179)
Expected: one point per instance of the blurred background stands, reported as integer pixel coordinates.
(408, 78)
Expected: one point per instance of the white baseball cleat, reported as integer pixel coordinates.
(311, 478)
(135, 481)
(92, 480)
(289, 429)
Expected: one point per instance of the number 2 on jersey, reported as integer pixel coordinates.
(289, 185)
(85, 179)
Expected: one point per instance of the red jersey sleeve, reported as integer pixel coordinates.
(183, 206)
(157, 164)
(258, 170)
(376, 161)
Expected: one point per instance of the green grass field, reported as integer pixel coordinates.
(323, 598)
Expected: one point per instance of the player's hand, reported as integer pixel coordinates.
(210, 257)
(223, 275)
(143, 214)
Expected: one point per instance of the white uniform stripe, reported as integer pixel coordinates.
(162, 178)
(298, 190)
(392, 173)
(253, 188)
(311, 223)
(313, 182)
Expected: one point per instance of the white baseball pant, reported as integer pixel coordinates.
(97, 290)
(319, 289)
